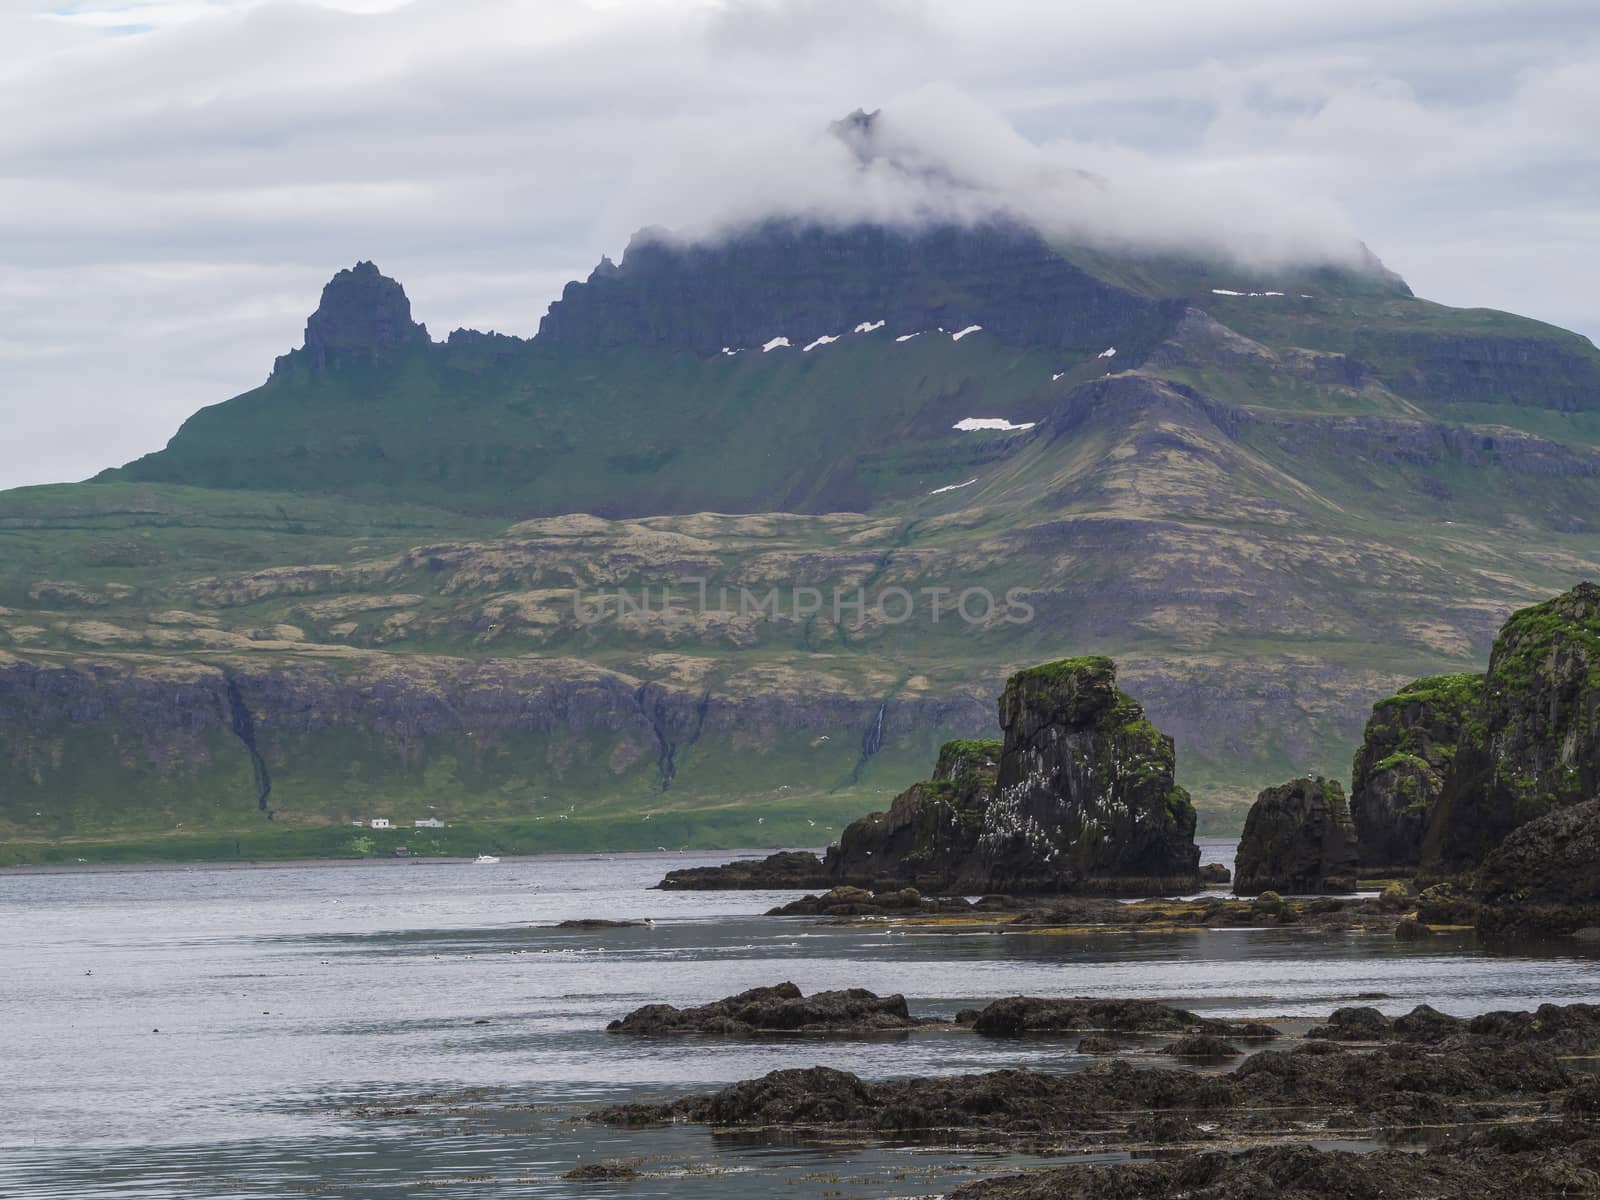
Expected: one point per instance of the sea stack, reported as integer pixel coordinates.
(1298, 837)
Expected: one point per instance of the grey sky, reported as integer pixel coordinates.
(179, 177)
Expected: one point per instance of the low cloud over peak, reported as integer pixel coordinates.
(935, 155)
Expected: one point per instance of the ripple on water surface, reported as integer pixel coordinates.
(226, 1032)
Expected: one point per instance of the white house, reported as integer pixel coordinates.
(429, 823)
(380, 822)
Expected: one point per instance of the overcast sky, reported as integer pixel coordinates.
(178, 178)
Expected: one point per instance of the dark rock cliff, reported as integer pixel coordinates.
(705, 296)
(1533, 745)
(929, 830)
(1085, 789)
(1298, 837)
(1399, 773)
(363, 314)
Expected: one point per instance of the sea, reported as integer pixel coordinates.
(419, 1028)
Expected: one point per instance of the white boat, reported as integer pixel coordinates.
(486, 858)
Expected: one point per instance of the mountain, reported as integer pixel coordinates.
(1273, 496)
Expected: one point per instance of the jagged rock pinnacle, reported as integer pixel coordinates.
(363, 313)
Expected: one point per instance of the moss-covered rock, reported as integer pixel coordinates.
(929, 829)
(1399, 772)
(1533, 744)
(1078, 798)
(1298, 838)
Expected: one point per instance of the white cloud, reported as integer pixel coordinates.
(171, 201)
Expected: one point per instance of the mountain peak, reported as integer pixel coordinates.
(363, 313)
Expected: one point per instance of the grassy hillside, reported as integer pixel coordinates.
(388, 583)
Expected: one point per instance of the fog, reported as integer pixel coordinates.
(935, 155)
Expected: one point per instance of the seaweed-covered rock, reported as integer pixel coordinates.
(846, 901)
(1202, 1045)
(1298, 837)
(779, 1009)
(1548, 1161)
(1215, 873)
(1399, 772)
(1363, 1024)
(1533, 745)
(787, 870)
(1016, 1015)
(602, 1172)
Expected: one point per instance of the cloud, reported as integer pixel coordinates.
(938, 156)
(171, 202)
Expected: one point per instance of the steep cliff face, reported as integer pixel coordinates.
(703, 297)
(1078, 797)
(1533, 744)
(109, 745)
(1408, 748)
(1085, 790)
(1298, 837)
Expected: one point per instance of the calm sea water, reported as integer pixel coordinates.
(195, 1032)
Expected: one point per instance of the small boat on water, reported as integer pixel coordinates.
(485, 858)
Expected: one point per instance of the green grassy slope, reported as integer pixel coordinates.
(1270, 516)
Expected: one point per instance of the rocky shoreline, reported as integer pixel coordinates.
(1501, 1097)
(1485, 789)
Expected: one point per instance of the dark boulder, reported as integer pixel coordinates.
(1298, 837)
(1399, 772)
(1215, 873)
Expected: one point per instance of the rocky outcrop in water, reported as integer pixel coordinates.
(779, 1009)
(777, 872)
(1014, 1016)
(1533, 745)
(930, 831)
(1298, 837)
(1078, 798)
(1457, 1077)
(1084, 798)
(1408, 747)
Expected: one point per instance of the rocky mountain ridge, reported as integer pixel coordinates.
(1270, 508)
